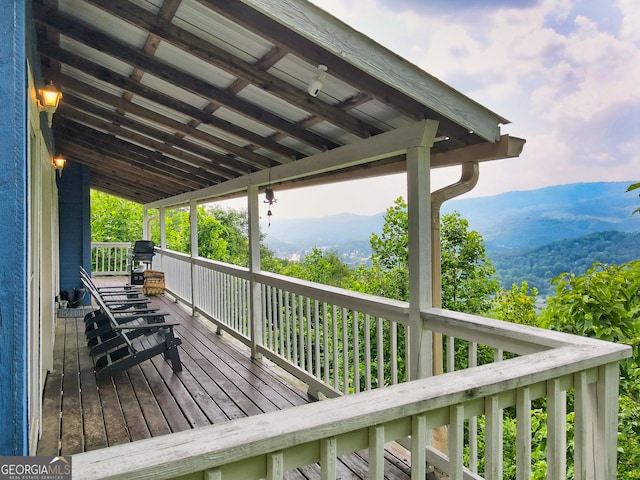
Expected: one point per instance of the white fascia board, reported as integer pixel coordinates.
(385, 145)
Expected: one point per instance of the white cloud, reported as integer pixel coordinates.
(568, 80)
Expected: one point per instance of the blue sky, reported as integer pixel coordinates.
(566, 73)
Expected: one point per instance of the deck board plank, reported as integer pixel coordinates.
(72, 439)
(219, 382)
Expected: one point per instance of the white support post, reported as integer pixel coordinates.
(163, 228)
(145, 224)
(255, 290)
(193, 220)
(163, 233)
(420, 284)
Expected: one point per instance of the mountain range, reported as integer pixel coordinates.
(508, 221)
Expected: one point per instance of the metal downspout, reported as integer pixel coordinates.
(468, 180)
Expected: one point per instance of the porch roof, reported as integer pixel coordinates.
(167, 97)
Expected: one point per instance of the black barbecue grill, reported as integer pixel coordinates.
(143, 252)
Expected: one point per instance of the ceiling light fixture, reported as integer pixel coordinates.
(316, 83)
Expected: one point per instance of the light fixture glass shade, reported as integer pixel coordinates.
(50, 97)
(59, 162)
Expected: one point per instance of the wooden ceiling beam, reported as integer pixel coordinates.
(74, 105)
(150, 159)
(120, 171)
(107, 125)
(122, 82)
(246, 71)
(134, 57)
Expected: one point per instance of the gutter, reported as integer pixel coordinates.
(468, 180)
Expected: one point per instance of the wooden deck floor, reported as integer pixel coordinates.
(219, 382)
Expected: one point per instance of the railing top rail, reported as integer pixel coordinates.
(204, 448)
(111, 244)
(511, 337)
(387, 308)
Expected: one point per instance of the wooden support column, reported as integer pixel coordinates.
(193, 220)
(255, 312)
(146, 234)
(419, 219)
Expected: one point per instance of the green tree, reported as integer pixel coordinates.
(605, 303)
(114, 219)
(516, 305)
(467, 274)
(321, 267)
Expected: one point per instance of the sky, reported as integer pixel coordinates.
(566, 73)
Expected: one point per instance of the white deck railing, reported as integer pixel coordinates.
(334, 340)
(110, 258)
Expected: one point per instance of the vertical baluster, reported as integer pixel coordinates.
(328, 458)
(556, 431)
(294, 327)
(318, 337)
(334, 335)
(419, 447)
(581, 455)
(213, 474)
(310, 347)
(345, 351)
(281, 329)
(473, 421)
(493, 439)
(275, 465)
(301, 333)
(376, 452)
(456, 441)
(287, 319)
(380, 352)
(523, 434)
(325, 331)
(394, 353)
(367, 351)
(356, 351)
(451, 354)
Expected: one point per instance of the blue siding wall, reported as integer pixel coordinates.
(14, 426)
(75, 225)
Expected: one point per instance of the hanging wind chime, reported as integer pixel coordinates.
(269, 198)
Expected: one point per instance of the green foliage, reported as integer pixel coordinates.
(538, 266)
(516, 305)
(467, 273)
(114, 219)
(390, 249)
(634, 186)
(605, 303)
(321, 267)
(467, 283)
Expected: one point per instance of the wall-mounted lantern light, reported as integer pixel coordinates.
(50, 98)
(59, 163)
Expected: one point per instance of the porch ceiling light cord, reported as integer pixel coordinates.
(317, 82)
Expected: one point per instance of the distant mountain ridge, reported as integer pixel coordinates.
(538, 217)
(508, 221)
